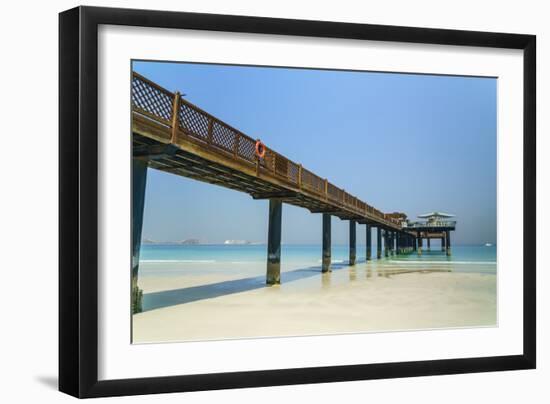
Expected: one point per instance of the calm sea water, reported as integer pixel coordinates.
(227, 269)
(304, 254)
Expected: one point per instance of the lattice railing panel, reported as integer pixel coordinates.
(268, 162)
(293, 172)
(151, 99)
(334, 192)
(247, 148)
(223, 137)
(281, 166)
(313, 182)
(192, 121)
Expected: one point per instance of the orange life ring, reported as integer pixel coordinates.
(260, 149)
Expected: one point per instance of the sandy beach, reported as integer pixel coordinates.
(369, 297)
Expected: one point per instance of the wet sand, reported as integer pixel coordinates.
(373, 297)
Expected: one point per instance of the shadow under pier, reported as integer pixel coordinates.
(157, 300)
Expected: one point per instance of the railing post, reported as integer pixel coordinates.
(300, 176)
(210, 130)
(326, 188)
(175, 117)
(236, 145)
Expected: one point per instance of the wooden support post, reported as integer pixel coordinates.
(369, 242)
(386, 243)
(236, 144)
(210, 130)
(443, 243)
(420, 244)
(378, 242)
(273, 276)
(428, 242)
(448, 243)
(398, 243)
(326, 242)
(139, 181)
(352, 242)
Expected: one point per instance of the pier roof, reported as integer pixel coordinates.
(435, 214)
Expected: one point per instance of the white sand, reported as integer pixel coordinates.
(346, 300)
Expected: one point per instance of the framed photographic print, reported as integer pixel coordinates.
(251, 201)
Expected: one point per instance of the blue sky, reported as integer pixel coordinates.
(400, 142)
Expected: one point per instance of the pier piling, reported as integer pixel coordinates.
(273, 276)
(386, 243)
(326, 242)
(369, 242)
(352, 242)
(398, 243)
(448, 242)
(378, 242)
(139, 181)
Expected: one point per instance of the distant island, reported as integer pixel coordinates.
(187, 241)
(196, 241)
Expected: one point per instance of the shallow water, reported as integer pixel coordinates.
(206, 271)
(173, 260)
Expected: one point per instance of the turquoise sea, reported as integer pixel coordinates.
(463, 257)
(197, 272)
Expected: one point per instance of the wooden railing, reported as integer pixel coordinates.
(179, 115)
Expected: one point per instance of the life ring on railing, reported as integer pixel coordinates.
(260, 149)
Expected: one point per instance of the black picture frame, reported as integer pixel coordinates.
(78, 201)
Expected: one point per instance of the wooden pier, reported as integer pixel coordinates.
(173, 135)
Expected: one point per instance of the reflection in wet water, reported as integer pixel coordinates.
(325, 279)
(366, 270)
